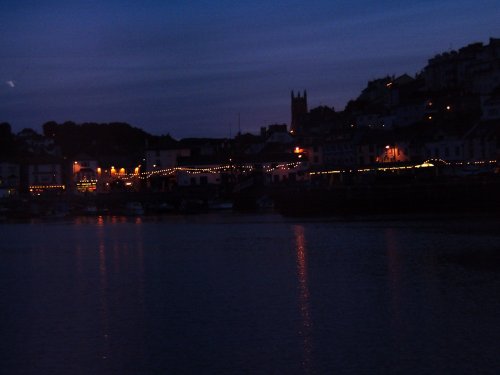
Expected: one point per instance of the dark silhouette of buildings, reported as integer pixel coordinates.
(299, 109)
(450, 112)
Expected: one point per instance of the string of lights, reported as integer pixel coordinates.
(227, 168)
(47, 187)
(426, 164)
(270, 168)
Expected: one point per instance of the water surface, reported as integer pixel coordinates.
(256, 294)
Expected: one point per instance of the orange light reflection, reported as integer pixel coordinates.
(306, 331)
(104, 298)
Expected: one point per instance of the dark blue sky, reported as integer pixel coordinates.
(189, 67)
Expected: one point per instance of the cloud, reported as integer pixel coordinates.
(10, 83)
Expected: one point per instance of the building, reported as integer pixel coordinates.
(475, 68)
(490, 105)
(164, 158)
(299, 110)
(85, 172)
(444, 145)
(482, 142)
(45, 175)
(9, 178)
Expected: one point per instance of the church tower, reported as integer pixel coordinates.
(299, 110)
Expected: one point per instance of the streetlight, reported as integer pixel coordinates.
(387, 152)
(75, 169)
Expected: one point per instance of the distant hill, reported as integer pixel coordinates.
(97, 139)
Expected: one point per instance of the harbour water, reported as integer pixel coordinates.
(250, 294)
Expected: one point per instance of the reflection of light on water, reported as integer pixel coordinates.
(118, 257)
(105, 261)
(306, 331)
(104, 299)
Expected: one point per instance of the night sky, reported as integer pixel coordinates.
(188, 68)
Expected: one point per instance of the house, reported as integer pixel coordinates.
(33, 143)
(45, 175)
(448, 146)
(9, 178)
(201, 174)
(340, 151)
(285, 171)
(85, 172)
(482, 142)
(490, 105)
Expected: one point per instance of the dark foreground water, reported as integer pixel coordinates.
(237, 294)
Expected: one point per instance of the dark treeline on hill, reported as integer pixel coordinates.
(95, 139)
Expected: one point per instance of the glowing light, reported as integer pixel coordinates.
(271, 168)
(47, 186)
(86, 185)
(38, 189)
(286, 166)
(383, 169)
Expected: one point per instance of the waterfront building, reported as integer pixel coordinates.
(377, 148)
(202, 174)
(85, 172)
(163, 154)
(164, 158)
(490, 105)
(45, 175)
(9, 178)
(482, 142)
(445, 146)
